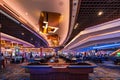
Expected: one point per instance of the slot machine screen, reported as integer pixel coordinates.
(118, 54)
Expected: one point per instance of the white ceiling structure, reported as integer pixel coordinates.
(108, 30)
(29, 12)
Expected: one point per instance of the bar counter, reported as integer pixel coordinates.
(60, 71)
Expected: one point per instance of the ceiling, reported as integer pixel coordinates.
(88, 14)
(99, 34)
(11, 28)
(29, 11)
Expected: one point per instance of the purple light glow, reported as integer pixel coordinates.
(15, 40)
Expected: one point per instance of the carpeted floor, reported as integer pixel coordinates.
(16, 72)
(106, 71)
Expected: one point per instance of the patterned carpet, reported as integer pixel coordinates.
(105, 72)
(101, 73)
(16, 72)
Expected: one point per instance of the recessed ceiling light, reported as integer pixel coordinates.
(100, 13)
(22, 33)
(76, 25)
(31, 38)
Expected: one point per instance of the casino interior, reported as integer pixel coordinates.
(59, 39)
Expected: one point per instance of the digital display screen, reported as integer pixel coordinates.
(17, 50)
(118, 54)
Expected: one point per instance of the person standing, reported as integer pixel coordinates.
(3, 61)
(0, 61)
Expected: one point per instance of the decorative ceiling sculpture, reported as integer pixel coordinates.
(48, 25)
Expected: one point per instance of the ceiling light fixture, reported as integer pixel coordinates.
(76, 25)
(22, 33)
(100, 13)
(31, 38)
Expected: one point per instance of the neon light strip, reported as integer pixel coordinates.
(9, 17)
(105, 46)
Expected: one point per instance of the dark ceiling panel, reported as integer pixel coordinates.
(14, 29)
(88, 13)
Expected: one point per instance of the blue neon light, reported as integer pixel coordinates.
(102, 46)
(107, 46)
